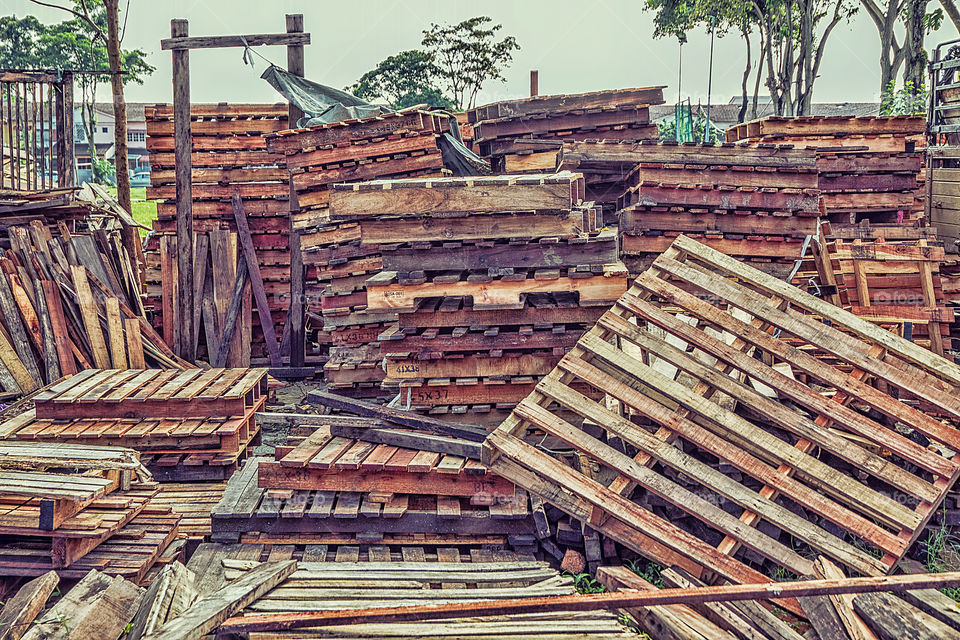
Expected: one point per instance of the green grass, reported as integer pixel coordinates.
(943, 554)
(144, 211)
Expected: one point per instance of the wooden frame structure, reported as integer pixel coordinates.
(180, 43)
(695, 331)
(36, 130)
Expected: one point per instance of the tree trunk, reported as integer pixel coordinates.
(915, 69)
(950, 8)
(119, 104)
(742, 116)
(764, 44)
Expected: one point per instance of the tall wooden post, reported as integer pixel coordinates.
(296, 314)
(534, 83)
(64, 107)
(182, 149)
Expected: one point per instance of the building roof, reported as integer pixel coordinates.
(726, 114)
(135, 110)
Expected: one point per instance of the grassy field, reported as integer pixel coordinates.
(144, 211)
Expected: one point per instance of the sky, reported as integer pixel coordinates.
(581, 46)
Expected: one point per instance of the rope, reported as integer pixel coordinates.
(249, 52)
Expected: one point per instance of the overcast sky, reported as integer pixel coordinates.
(577, 46)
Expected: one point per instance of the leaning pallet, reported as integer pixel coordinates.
(695, 458)
(188, 424)
(527, 136)
(896, 285)
(486, 268)
(400, 144)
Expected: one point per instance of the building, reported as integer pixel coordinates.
(137, 155)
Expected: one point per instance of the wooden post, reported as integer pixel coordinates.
(534, 83)
(295, 317)
(183, 147)
(64, 99)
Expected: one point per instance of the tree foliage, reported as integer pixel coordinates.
(793, 35)
(403, 80)
(19, 40)
(467, 55)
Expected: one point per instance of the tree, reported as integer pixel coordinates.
(950, 7)
(19, 40)
(468, 54)
(403, 80)
(911, 16)
(100, 20)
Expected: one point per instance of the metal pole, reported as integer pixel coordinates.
(707, 132)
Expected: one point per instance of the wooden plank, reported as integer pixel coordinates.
(91, 317)
(19, 612)
(97, 607)
(207, 612)
(118, 352)
(184, 191)
(589, 602)
(180, 42)
(58, 322)
(256, 282)
(18, 333)
(893, 619)
(51, 355)
(134, 343)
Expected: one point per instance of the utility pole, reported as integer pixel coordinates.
(707, 129)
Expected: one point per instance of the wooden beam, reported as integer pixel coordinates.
(256, 282)
(590, 602)
(180, 41)
(534, 83)
(183, 147)
(295, 317)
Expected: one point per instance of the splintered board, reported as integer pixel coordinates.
(158, 393)
(692, 340)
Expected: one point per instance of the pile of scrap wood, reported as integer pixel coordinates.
(229, 158)
(72, 508)
(70, 292)
(493, 279)
(188, 424)
(755, 203)
(720, 400)
(871, 168)
(401, 144)
(526, 135)
(896, 285)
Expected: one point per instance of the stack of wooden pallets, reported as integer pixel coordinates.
(894, 284)
(188, 424)
(521, 136)
(493, 278)
(401, 144)
(755, 203)
(66, 507)
(871, 168)
(229, 157)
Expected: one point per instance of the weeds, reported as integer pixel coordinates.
(943, 554)
(585, 584)
(651, 574)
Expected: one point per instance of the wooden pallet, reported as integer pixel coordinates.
(457, 196)
(130, 552)
(894, 284)
(192, 501)
(594, 290)
(537, 105)
(246, 507)
(78, 534)
(159, 393)
(324, 462)
(827, 126)
(815, 466)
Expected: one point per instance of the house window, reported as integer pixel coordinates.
(104, 129)
(136, 136)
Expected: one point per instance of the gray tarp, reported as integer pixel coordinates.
(322, 104)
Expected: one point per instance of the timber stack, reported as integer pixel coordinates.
(400, 144)
(493, 278)
(188, 424)
(758, 204)
(526, 136)
(72, 508)
(871, 168)
(230, 157)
